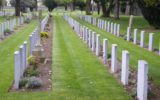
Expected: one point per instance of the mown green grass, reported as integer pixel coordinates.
(8, 47)
(77, 73)
(139, 22)
(136, 52)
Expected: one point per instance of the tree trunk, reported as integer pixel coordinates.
(65, 6)
(98, 8)
(88, 7)
(17, 7)
(36, 5)
(116, 13)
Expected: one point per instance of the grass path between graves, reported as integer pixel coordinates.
(77, 73)
(7, 49)
(136, 52)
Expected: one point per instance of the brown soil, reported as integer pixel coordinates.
(44, 68)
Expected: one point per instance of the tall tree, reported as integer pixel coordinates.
(116, 12)
(50, 4)
(17, 7)
(98, 6)
(88, 7)
(151, 11)
(106, 7)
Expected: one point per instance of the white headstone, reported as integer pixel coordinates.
(98, 44)
(128, 33)
(142, 80)
(25, 53)
(114, 58)
(108, 27)
(111, 28)
(142, 39)
(135, 36)
(125, 67)
(93, 41)
(16, 69)
(151, 40)
(115, 29)
(105, 50)
(118, 30)
(90, 39)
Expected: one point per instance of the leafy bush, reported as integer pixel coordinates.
(109, 55)
(30, 72)
(34, 82)
(32, 60)
(7, 31)
(44, 34)
(23, 82)
(27, 21)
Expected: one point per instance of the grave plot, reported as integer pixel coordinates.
(131, 79)
(33, 72)
(10, 26)
(8, 47)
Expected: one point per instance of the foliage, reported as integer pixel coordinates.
(30, 72)
(109, 55)
(151, 11)
(44, 34)
(7, 31)
(33, 83)
(152, 2)
(81, 5)
(50, 4)
(27, 21)
(25, 4)
(32, 60)
(23, 82)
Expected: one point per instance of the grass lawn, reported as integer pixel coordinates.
(77, 73)
(8, 47)
(139, 22)
(136, 52)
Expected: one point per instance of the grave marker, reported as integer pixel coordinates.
(105, 50)
(125, 67)
(151, 40)
(98, 44)
(142, 39)
(142, 80)
(114, 58)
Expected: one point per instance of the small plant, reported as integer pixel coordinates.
(44, 34)
(32, 60)
(109, 55)
(29, 72)
(34, 82)
(7, 31)
(23, 82)
(27, 21)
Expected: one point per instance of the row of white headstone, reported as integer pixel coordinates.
(115, 29)
(20, 56)
(10, 24)
(93, 42)
(4, 13)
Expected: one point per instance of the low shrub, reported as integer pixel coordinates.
(44, 34)
(109, 55)
(29, 72)
(23, 82)
(27, 21)
(34, 82)
(7, 31)
(32, 60)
